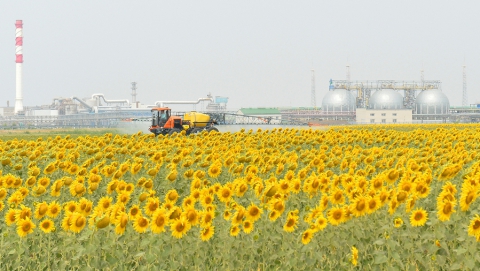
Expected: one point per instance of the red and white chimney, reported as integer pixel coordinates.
(18, 61)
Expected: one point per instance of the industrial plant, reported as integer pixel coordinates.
(346, 102)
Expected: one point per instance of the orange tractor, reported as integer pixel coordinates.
(192, 122)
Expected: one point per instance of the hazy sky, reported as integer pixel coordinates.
(257, 53)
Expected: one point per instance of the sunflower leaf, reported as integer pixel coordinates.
(380, 258)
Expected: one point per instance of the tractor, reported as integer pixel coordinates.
(192, 122)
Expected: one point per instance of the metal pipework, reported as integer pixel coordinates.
(162, 103)
(100, 95)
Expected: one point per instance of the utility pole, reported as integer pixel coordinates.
(464, 100)
(313, 98)
(134, 92)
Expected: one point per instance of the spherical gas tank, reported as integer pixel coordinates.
(386, 99)
(432, 101)
(339, 100)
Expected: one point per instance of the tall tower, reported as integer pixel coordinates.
(313, 98)
(134, 92)
(18, 61)
(464, 99)
(348, 73)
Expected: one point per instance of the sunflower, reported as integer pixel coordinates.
(77, 222)
(393, 205)
(337, 197)
(134, 212)
(397, 222)
(71, 206)
(47, 226)
(103, 222)
(24, 212)
(279, 206)
(274, 215)
(10, 217)
(295, 186)
(53, 209)
(159, 220)
(214, 170)
(467, 197)
(188, 202)
(321, 223)
(227, 214)
(105, 202)
(151, 206)
(354, 258)
(418, 217)
(123, 198)
(66, 221)
(207, 232)
(238, 216)
(171, 196)
(224, 194)
(359, 206)
(253, 212)
(111, 186)
(191, 215)
(336, 216)
(474, 227)
(140, 224)
(206, 200)
(56, 188)
(373, 204)
(31, 181)
(291, 223)
(77, 189)
(248, 226)
(174, 213)
(179, 227)
(307, 236)
(24, 227)
(206, 218)
(422, 189)
(234, 230)
(41, 210)
(121, 225)
(445, 210)
(172, 176)
(451, 188)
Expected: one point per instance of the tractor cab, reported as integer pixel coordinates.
(163, 122)
(160, 116)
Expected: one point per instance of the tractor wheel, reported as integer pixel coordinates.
(209, 129)
(196, 130)
(174, 131)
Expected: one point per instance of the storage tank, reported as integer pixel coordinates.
(386, 99)
(338, 100)
(196, 119)
(432, 101)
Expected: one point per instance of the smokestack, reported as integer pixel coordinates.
(18, 61)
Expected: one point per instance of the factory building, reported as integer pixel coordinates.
(383, 116)
(385, 106)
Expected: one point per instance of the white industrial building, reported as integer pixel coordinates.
(383, 116)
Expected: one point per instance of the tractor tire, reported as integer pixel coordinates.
(209, 129)
(196, 131)
(174, 131)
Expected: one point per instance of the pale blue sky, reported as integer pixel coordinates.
(258, 53)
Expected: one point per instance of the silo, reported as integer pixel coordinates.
(432, 101)
(386, 99)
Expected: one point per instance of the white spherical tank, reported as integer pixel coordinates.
(386, 99)
(339, 100)
(432, 102)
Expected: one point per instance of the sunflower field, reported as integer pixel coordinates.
(393, 197)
